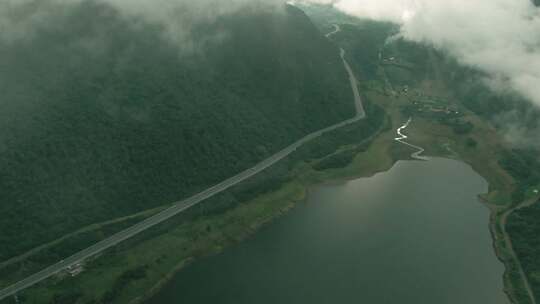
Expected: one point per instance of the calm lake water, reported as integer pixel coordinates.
(415, 234)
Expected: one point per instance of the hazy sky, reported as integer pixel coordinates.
(499, 37)
(20, 18)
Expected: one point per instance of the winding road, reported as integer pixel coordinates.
(183, 205)
(402, 137)
(359, 105)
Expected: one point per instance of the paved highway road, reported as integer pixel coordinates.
(178, 207)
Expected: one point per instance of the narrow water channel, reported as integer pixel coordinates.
(415, 234)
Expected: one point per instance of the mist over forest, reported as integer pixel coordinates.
(140, 136)
(107, 111)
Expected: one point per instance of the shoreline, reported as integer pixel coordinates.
(339, 176)
(188, 261)
(307, 189)
(350, 173)
(382, 143)
(316, 179)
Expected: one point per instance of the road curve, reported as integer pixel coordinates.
(402, 137)
(183, 205)
(352, 78)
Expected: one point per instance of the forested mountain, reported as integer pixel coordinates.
(103, 115)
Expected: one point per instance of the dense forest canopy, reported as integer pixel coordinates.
(103, 115)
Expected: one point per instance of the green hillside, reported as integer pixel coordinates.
(104, 116)
(523, 227)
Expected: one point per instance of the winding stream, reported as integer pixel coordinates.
(402, 137)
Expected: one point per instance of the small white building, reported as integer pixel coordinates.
(74, 270)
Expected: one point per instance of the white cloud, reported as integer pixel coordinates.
(179, 16)
(499, 37)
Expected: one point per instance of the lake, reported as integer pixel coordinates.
(414, 234)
